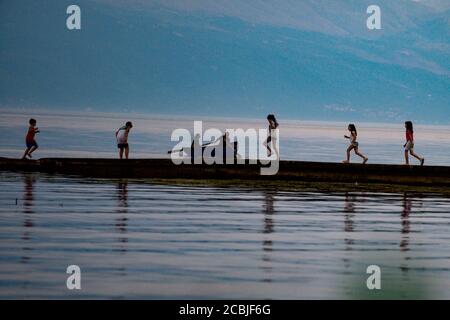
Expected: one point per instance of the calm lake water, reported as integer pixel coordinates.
(135, 239)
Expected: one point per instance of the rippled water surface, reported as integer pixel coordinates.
(135, 239)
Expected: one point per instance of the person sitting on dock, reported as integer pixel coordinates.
(272, 138)
(30, 140)
(229, 148)
(122, 139)
(409, 145)
(197, 149)
(354, 145)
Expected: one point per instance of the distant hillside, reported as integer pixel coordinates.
(299, 59)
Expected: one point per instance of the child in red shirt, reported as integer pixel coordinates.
(30, 141)
(409, 145)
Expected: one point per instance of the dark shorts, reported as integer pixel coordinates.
(31, 144)
(122, 146)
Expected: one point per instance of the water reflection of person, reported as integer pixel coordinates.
(349, 213)
(407, 209)
(269, 211)
(406, 228)
(407, 206)
(28, 211)
(122, 211)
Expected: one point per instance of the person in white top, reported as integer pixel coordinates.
(122, 139)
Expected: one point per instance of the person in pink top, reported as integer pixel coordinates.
(409, 145)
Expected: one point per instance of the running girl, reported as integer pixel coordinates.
(273, 136)
(353, 144)
(409, 145)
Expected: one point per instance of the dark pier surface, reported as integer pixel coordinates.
(436, 176)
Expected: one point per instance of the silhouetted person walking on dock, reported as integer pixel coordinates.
(30, 140)
(409, 145)
(354, 145)
(122, 139)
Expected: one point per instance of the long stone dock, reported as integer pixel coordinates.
(288, 171)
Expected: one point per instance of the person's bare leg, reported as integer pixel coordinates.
(361, 155)
(26, 153)
(417, 157)
(277, 152)
(127, 151)
(121, 153)
(33, 149)
(269, 151)
(406, 157)
(348, 154)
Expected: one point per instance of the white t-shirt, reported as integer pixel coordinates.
(121, 135)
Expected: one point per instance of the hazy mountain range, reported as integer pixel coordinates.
(309, 59)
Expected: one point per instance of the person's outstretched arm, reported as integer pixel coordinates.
(212, 142)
